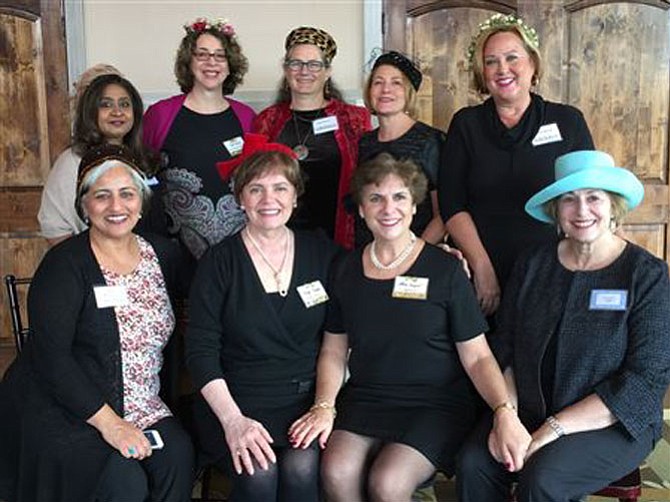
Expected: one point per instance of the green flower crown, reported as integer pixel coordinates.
(202, 24)
(503, 21)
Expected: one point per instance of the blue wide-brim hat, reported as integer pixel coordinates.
(586, 169)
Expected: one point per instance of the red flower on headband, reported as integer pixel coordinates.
(199, 26)
(252, 143)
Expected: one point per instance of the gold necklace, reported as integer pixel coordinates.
(283, 292)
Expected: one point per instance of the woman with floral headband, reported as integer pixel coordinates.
(195, 130)
(311, 118)
(390, 94)
(500, 152)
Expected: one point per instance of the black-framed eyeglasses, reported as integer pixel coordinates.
(312, 65)
(203, 55)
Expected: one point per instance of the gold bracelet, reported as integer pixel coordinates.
(324, 405)
(504, 406)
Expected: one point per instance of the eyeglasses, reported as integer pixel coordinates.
(203, 55)
(312, 65)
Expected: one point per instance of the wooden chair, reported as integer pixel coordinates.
(20, 332)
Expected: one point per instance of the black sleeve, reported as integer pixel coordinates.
(452, 176)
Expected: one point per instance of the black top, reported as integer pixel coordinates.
(200, 206)
(320, 169)
(405, 342)
(235, 331)
(491, 171)
(422, 144)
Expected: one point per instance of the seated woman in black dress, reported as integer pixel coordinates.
(390, 94)
(257, 308)
(408, 314)
(585, 328)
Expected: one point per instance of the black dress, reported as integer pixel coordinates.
(490, 171)
(422, 144)
(265, 348)
(407, 384)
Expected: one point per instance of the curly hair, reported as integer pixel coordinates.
(87, 132)
(237, 62)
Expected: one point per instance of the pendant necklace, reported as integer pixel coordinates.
(277, 273)
(404, 254)
(301, 150)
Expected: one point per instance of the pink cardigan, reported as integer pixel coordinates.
(159, 117)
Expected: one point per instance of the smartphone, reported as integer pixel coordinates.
(155, 439)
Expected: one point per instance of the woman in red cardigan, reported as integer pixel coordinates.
(311, 117)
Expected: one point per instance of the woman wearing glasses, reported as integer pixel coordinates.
(195, 130)
(311, 117)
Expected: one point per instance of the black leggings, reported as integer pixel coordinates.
(294, 478)
(165, 476)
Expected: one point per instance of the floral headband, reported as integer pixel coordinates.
(498, 22)
(202, 24)
(253, 143)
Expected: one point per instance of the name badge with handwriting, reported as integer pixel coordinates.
(415, 288)
(110, 296)
(312, 293)
(608, 299)
(548, 133)
(234, 146)
(326, 124)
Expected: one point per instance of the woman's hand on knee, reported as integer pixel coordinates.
(316, 423)
(248, 440)
(128, 440)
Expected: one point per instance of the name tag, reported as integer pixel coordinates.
(325, 124)
(548, 133)
(153, 181)
(110, 296)
(312, 293)
(234, 146)
(608, 299)
(415, 288)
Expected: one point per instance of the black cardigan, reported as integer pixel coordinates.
(621, 355)
(70, 367)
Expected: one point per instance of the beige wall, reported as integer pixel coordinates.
(141, 37)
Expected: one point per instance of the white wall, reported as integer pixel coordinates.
(141, 37)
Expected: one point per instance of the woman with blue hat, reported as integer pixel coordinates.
(584, 335)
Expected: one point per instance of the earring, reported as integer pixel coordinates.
(139, 216)
(613, 224)
(326, 90)
(295, 203)
(559, 231)
(87, 220)
(241, 207)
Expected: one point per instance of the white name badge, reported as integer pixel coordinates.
(312, 293)
(234, 146)
(110, 296)
(415, 288)
(548, 133)
(608, 299)
(326, 124)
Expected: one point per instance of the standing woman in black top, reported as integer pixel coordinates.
(501, 152)
(390, 93)
(257, 307)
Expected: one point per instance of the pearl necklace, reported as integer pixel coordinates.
(404, 254)
(283, 292)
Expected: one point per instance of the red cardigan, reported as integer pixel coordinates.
(353, 122)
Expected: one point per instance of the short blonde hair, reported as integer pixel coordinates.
(410, 93)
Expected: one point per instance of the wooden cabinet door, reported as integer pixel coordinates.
(610, 60)
(34, 129)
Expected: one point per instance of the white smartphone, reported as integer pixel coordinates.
(155, 439)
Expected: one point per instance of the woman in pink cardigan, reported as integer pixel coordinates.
(195, 130)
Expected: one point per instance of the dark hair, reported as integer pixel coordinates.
(87, 133)
(237, 62)
(376, 169)
(263, 162)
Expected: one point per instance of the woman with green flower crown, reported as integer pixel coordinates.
(195, 130)
(502, 151)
